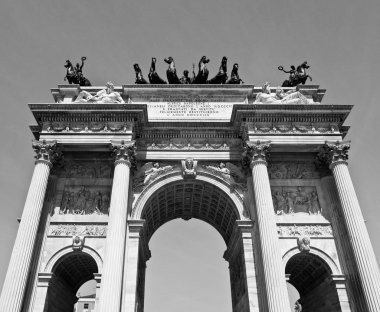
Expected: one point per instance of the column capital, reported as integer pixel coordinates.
(256, 152)
(124, 152)
(46, 152)
(333, 153)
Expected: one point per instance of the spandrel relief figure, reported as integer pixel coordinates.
(230, 173)
(85, 201)
(107, 96)
(148, 173)
(295, 199)
(290, 97)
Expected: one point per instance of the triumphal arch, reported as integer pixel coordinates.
(113, 164)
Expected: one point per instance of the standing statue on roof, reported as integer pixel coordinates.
(296, 76)
(202, 76)
(74, 75)
(171, 72)
(139, 76)
(185, 79)
(221, 76)
(235, 79)
(154, 78)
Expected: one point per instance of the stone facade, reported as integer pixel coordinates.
(264, 175)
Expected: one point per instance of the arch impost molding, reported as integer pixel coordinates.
(242, 229)
(137, 231)
(44, 279)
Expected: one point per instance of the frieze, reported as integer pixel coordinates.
(293, 170)
(85, 200)
(87, 127)
(295, 199)
(71, 229)
(292, 128)
(86, 169)
(200, 145)
(304, 230)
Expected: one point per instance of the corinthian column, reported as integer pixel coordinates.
(110, 296)
(274, 273)
(19, 266)
(368, 270)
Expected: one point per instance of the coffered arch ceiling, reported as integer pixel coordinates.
(190, 199)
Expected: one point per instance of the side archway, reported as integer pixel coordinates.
(69, 272)
(312, 276)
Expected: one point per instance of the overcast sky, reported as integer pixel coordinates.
(339, 38)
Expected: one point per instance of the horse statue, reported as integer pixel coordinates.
(154, 78)
(139, 76)
(221, 77)
(171, 72)
(202, 76)
(296, 76)
(74, 75)
(235, 79)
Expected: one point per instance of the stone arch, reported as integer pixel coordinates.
(313, 277)
(69, 272)
(205, 198)
(325, 257)
(232, 198)
(68, 249)
(204, 192)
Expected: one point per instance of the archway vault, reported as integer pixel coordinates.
(204, 198)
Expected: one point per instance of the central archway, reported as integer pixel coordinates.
(204, 199)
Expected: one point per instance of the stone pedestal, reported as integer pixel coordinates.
(110, 296)
(357, 233)
(16, 279)
(274, 273)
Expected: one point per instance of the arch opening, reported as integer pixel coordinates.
(312, 277)
(205, 201)
(186, 200)
(69, 274)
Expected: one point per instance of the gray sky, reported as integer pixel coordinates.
(339, 38)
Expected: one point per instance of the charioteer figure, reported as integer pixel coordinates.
(185, 79)
(74, 75)
(139, 76)
(296, 76)
(235, 79)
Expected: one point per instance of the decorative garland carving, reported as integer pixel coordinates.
(87, 127)
(199, 145)
(292, 128)
(304, 230)
(72, 229)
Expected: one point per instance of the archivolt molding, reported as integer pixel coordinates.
(177, 176)
(68, 249)
(315, 251)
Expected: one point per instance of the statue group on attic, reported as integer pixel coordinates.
(297, 76)
(201, 78)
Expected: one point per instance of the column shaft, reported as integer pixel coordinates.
(17, 275)
(110, 297)
(276, 290)
(358, 236)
